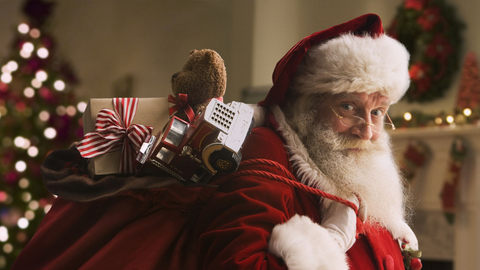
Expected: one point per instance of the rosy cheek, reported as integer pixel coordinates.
(339, 127)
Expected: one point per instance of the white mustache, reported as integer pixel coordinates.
(346, 142)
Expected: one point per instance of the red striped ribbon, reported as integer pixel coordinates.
(114, 131)
(181, 103)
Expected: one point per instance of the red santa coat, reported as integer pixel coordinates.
(177, 227)
(233, 228)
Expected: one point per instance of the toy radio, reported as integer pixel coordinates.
(197, 151)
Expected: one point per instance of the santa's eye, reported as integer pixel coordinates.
(347, 107)
(377, 113)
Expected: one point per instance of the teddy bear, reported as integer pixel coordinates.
(202, 78)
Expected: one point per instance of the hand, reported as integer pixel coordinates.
(341, 222)
(407, 236)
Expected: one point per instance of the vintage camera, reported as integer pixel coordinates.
(197, 151)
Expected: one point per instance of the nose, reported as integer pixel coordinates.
(363, 131)
(174, 76)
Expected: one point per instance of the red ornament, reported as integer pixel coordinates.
(415, 264)
(439, 48)
(415, 4)
(429, 18)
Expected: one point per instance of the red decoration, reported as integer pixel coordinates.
(415, 264)
(469, 92)
(457, 156)
(431, 32)
(415, 4)
(114, 131)
(181, 103)
(415, 156)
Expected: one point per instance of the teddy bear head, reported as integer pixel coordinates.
(202, 78)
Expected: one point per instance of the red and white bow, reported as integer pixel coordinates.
(114, 131)
(182, 103)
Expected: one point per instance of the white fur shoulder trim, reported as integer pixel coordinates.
(304, 245)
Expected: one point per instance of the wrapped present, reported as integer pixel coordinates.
(115, 130)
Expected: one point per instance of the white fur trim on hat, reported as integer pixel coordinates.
(305, 245)
(350, 63)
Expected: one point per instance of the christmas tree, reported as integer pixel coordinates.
(469, 92)
(38, 114)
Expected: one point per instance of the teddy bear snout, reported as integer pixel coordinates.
(175, 76)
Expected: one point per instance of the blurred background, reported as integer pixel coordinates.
(56, 55)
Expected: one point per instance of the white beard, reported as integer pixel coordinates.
(371, 173)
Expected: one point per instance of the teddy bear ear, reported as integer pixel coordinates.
(192, 51)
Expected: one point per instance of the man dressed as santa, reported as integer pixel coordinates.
(317, 187)
(326, 124)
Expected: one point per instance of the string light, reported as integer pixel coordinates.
(32, 151)
(22, 223)
(44, 116)
(467, 112)
(23, 28)
(20, 166)
(3, 196)
(29, 92)
(21, 142)
(41, 75)
(71, 111)
(28, 47)
(59, 85)
(61, 110)
(6, 78)
(5, 69)
(81, 106)
(450, 119)
(7, 248)
(42, 53)
(407, 116)
(35, 33)
(23, 183)
(12, 66)
(50, 133)
(25, 54)
(29, 215)
(36, 83)
(33, 205)
(26, 196)
(3, 234)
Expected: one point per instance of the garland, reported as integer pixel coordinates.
(430, 31)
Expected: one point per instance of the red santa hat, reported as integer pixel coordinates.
(355, 56)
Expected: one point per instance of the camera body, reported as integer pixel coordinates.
(197, 151)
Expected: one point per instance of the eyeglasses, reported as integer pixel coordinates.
(349, 119)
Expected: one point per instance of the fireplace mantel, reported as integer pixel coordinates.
(459, 242)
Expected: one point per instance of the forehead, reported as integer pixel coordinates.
(372, 99)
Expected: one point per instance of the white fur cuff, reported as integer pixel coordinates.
(303, 244)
